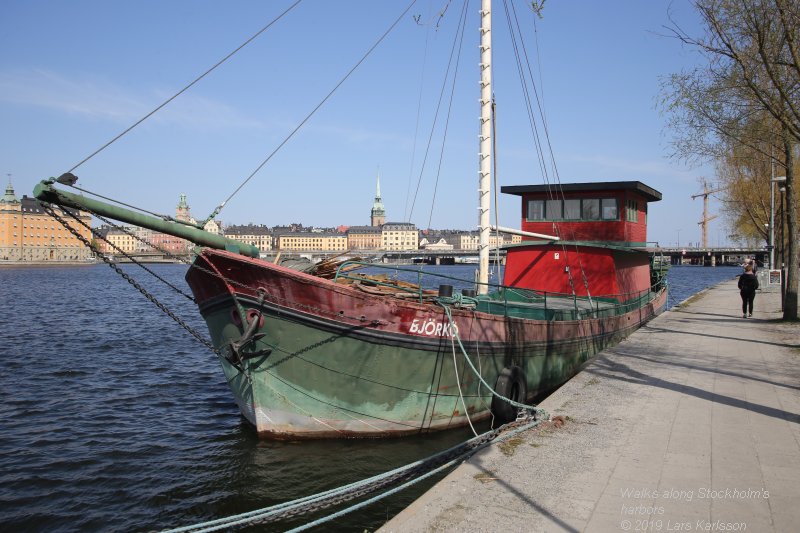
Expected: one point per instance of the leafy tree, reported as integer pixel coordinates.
(744, 102)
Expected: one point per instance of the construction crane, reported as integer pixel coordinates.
(706, 219)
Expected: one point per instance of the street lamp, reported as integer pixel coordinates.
(783, 219)
(772, 182)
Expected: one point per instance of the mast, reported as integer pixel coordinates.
(485, 146)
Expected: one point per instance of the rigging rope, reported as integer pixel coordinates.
(458, 383)
(436, 113)
(171, 98)
(416, 124)
(559, 193)
(447, 120)
(163, 217)
(318, 106)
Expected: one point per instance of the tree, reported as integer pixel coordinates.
(745, 97)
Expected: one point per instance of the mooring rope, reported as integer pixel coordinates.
(409, 474)
(407, 484)
(460, 393)
(535, 409)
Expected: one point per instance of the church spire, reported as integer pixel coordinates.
(378, 213)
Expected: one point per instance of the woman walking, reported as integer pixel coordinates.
(748, 283)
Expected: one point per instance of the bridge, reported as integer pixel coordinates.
(707, 256)
(713, 256)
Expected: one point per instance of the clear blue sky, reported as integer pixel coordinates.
(75, 74)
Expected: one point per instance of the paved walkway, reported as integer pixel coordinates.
(691, 424)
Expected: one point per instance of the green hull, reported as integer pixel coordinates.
(321, 376)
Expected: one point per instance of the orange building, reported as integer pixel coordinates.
(27, 233)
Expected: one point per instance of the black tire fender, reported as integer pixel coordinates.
(512, 384)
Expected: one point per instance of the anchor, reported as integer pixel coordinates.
(238, 355)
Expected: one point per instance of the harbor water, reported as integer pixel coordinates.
(115, 419)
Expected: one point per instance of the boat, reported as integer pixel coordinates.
(354, 354)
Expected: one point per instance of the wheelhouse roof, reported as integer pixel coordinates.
(650, 194)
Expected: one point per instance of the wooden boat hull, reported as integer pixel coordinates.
(344, 363)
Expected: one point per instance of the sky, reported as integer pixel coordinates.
(73, 75)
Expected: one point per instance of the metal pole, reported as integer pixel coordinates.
(772, 223)
(485, 146)
(783, 248)
(772, 182)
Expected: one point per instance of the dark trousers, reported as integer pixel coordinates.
(747, 301)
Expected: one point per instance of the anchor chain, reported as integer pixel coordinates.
(230, 356)
(141, 240)
(50, 211)
(130, 258)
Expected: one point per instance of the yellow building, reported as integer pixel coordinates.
(259, 236)
(399, 236)
(364, 238)
(469, 241)
(27, 233)
(312, 242)
(122, 240)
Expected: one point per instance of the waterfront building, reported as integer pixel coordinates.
(161, 242)
(378, 212)
(120, 239)
(469, 240)
(364, 238)
(213, 226)
(260, 236)
(291, 228)
(399, 236)
(440, 245)
(135, 240)
(27, 233)
(312, 242)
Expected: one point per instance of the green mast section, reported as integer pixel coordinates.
(45, 192)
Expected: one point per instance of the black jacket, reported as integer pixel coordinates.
(748, 282)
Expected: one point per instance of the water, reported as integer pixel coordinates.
(115, 419)
(685, 281)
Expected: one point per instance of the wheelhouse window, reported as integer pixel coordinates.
(609, 208)
(631, 211)
(573, 209)
(552, 209)
(536, 210)
(591, 209)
